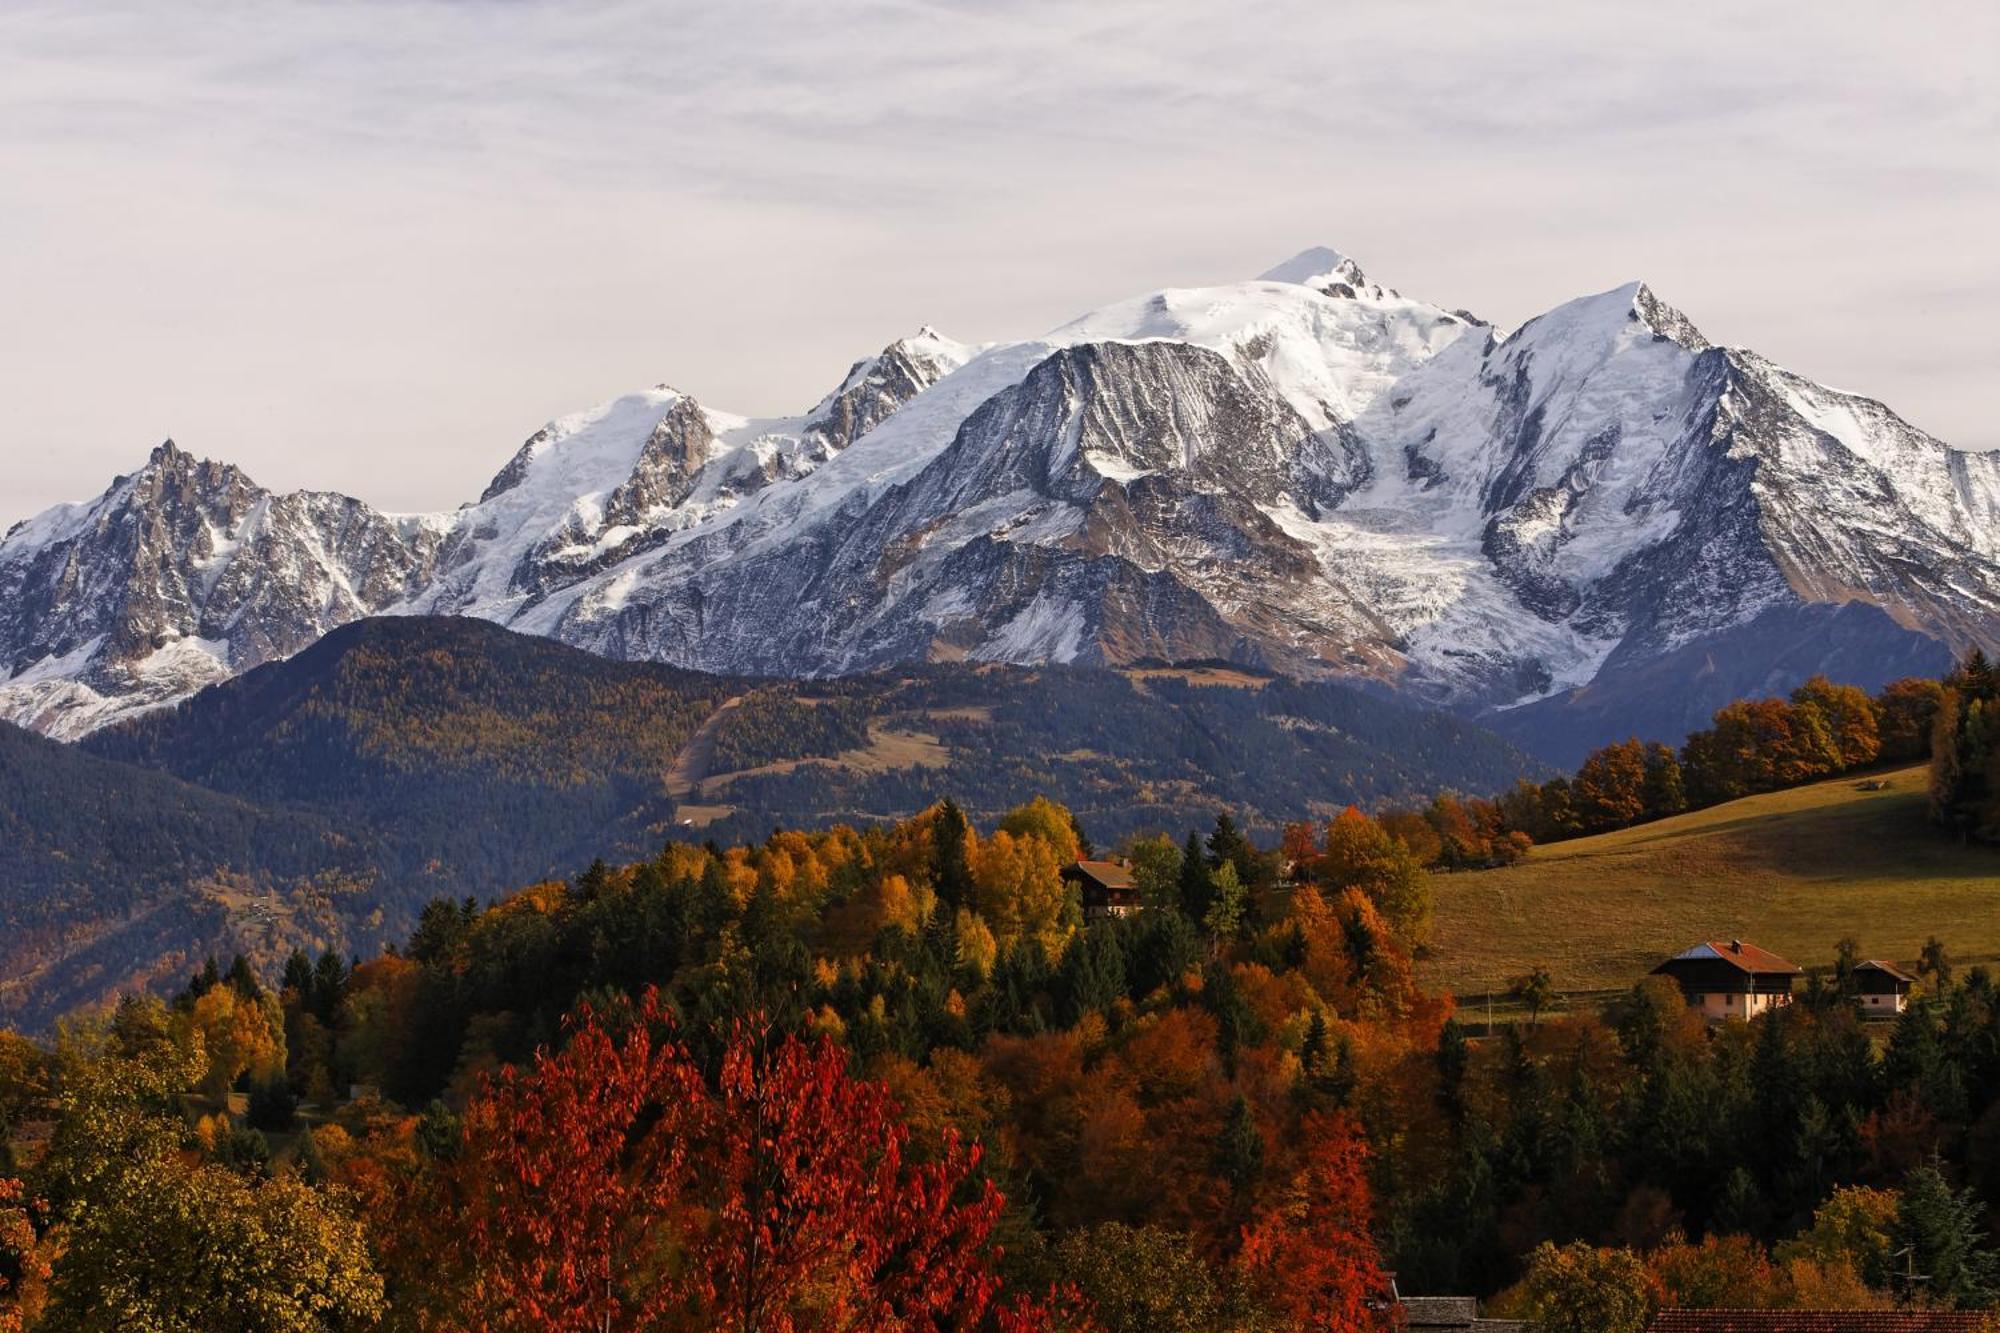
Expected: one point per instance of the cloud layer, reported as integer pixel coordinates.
(370, 246)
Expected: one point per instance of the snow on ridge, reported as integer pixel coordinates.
(1486, 489)
(1311, 267)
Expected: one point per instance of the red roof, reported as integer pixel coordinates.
(1818, 1321)
(1739, 954)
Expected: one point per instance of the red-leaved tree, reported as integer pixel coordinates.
(609, 1186)
(1312, 1259)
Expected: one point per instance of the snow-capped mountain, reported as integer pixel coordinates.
(1595, 523)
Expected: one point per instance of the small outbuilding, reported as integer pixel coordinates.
(1107, 888)
(1883, 988)
(1731, 978)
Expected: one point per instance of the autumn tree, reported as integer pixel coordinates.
(1534, 990)
(1143, 1280)
(1610, 787)
(1360, 855)
(608, 1185)
(151, 1237)
(1579, 1288)
(1044, 819)
(1311, 1259)
(1156, 870)
(1904, 710)
(1018, 888)
(1848, 715)
(175, 1247)
(23, 1264)
(1665, 788)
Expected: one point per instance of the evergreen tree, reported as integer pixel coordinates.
(951, 874)
(1976, 678)
(1296, 949)
(1197, 884)
(202, 982)
(1164, 947)
(1454, 1054)
(329, 986)
(1316, 1047)
(593, 882)
(299, 975)
(1239, 1152)
(242, 979)
(1941, 1231)
(1236, 1023)
(1092, 975)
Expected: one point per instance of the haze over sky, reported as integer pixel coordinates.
(370, 247)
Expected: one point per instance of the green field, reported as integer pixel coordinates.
(1793, 871)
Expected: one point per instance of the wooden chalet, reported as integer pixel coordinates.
(1107, 888)
(1883, 988)
(1731, 978)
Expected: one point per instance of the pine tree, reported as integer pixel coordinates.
(202, 982)
(242, 979)
(1942, 1231)
(1197, 881)
(951, 875)
(1239, 1152)
(1315, 1048)
(1454, 1055)
(329, 986)
(593, 882)
(299, 975)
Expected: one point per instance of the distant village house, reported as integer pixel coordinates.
(1883, 988)
(1731, 979)
(1106, 887)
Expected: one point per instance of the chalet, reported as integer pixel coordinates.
(1731, 979)
(1883, 988)
(1106, 887)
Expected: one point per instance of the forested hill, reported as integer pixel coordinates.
(478, 759)
(112, 876)
(321, 800)
(509, 757)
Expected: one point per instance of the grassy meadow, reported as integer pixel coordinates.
(1792, 871)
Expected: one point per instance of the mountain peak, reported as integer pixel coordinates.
(1316, 268)
(1665, 320)
(166, 451)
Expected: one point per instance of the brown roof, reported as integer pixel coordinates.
(1878, 965)
(1818, 1321)
(1108, 873)
(1738, 954)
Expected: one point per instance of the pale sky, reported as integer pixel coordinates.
(370, 247)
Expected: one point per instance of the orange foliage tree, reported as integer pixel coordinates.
(22, 1264)
(1312, 1260)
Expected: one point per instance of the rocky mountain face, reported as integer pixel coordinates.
(1308, 472)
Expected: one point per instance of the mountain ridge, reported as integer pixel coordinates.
(1307, 472)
